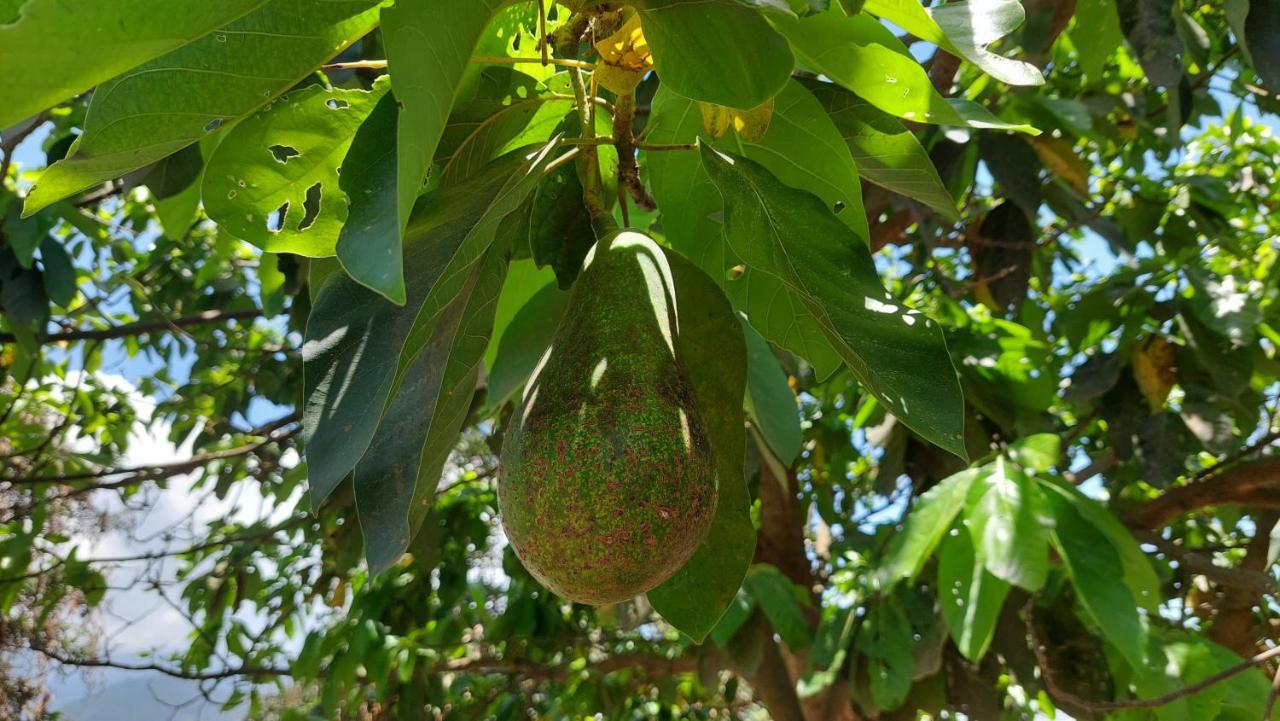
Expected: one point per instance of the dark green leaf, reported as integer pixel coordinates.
(1151, 30)
(524, 342)
(174, 174)
(886, 641)
(1262, 33)
(59, 273)
(771, 402)
(370, 255)
(1094, 567)
(711, 349)
(791, 234)
(560, 232)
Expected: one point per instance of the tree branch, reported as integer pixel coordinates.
(1255, 484)
(1231, 625)
(246, 671)
(208, 317)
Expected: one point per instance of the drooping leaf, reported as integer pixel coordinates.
(886, 153)
(772, 403)
(429, 45)
(396, 480)
(1094, 567)
(524, 342)
(925, 526)
(776, 596)
(866, 57)
(356, 338)
(711, 349)
(1009, 521)
(792, 235)
(560, 232)
(178, 98)
(274, 180)
(1139, 576)
(367, 178)
(717, 51)
(82, 47)
(965, 29)
(969, 596)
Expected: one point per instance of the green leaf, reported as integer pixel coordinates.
(716, 51)
(1175, 664)
(396, 480)
(1009, 521)
(274, 181)
(886, 153)
(897, 353)
(1226, 304)
(367, 179)
(429, 45)
(777, 597)
(1096, 35)
(886, 641)
(59, 273)
(770, 400)
(1139, 576)
(175, 174)
(1039, 452)
(737, 614)
(356, 339)
(925, 526)
(1151, 30)
(1262, 34)
(1094, 567)
(969, 596)
(524, 121)
(964, 29)
(524, 342)
(864, 56)
(99, 41)
(178, 98)
(560, 232)
(24, 235)
(711, 349)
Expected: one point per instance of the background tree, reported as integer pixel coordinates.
(1018, 459)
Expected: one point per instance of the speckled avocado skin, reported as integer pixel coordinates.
(607, 481)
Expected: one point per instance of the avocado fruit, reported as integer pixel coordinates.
(607, 479)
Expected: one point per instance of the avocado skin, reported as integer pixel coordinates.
(608, 481)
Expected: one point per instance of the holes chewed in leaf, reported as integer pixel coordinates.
(839, 206)
(275, 220)
(335, 104)
(282, 153)
(213, 125)
(311, 206)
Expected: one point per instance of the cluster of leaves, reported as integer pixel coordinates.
(1070, 213)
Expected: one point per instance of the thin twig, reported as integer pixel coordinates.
(499, 60)
(357, 65)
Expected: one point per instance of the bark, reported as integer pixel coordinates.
(1234, 625)
(1255, 484)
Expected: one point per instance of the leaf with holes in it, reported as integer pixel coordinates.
(898, 353)
(175, 100)
(356, 340)
(274, 180)
(88, 43)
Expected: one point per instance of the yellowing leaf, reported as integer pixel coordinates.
(1058, 156)
(1155, 370)
(624, 58)
(749, 124)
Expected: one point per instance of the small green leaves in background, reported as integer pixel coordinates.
(711, 349)
(793, 236)
(98, 42)
(781, 601)
(173, 101)
(274, 180)
(717, 51)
